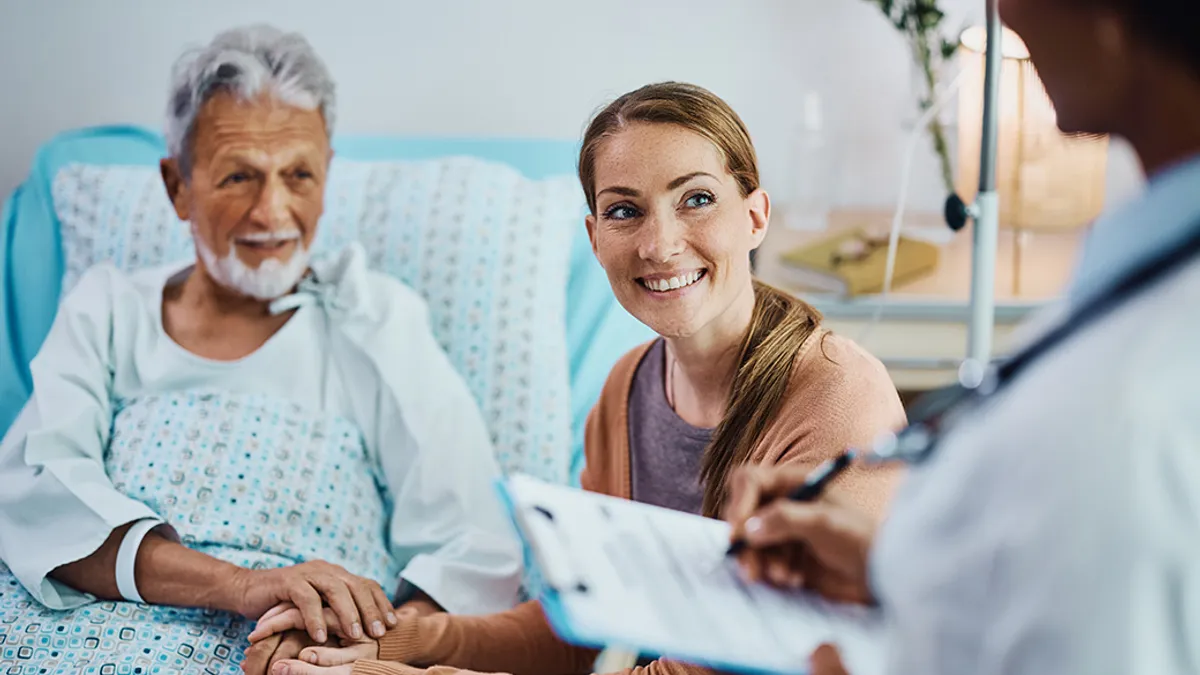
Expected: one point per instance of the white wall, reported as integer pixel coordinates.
(533, 68)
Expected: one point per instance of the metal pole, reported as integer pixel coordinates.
(987, 205)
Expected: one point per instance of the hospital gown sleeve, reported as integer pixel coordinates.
(437, 457)
(58, 504)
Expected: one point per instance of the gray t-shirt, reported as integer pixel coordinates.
(665, 450)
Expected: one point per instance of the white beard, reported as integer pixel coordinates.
(270, 280)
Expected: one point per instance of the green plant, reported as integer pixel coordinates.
(920, 21)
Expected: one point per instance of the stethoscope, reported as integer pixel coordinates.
(933, 414)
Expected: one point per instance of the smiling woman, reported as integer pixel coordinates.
(693, 216)
(741, 373)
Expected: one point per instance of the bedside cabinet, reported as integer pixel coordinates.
(921, 334)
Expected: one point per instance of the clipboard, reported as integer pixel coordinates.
(643, 579)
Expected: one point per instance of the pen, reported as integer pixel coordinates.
(810, 489)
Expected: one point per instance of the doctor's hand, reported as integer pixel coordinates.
(826, 660)
(822, 546)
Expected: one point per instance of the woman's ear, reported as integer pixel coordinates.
(178, 190)
(760, 215)
(590, 223)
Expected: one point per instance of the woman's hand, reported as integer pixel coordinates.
(262, 656)
(286, 616)
(294, 667)
(302, 668)
(339, 656)
(355, 602)
(823, 545)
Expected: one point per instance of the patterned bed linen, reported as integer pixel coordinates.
(250, 479)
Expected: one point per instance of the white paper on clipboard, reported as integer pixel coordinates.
(656, 581)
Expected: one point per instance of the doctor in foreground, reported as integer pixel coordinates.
(1056, 530)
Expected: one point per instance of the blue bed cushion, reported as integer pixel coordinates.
(31, 258)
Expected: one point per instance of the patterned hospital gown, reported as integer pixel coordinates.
(250, 479)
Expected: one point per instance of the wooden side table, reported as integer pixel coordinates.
(921, 336)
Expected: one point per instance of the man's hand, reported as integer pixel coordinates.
(823, 545)
(355, 602)
(286, 616)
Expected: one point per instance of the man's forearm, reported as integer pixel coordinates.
(166, 573)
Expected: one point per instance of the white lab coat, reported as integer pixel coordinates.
(1057, 530)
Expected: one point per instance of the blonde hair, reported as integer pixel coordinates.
(780, 324)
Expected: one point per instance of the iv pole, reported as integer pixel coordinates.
(985, 213)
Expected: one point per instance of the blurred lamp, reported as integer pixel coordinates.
(1046, 180)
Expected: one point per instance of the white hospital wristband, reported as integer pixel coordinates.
(127, 557)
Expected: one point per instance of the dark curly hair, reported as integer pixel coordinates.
(1171, 25)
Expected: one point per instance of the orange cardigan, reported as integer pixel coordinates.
(839, 396)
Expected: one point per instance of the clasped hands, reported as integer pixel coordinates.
(282, 644)
(822, 546)
(317, 612)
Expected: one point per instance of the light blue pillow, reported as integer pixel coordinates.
(487, 247)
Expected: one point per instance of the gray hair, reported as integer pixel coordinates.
(245, 61)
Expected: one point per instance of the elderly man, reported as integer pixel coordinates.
(209, 440)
